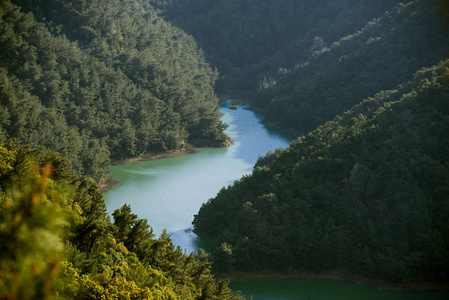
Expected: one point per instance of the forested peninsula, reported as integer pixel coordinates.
(364, 194)
(102, 80)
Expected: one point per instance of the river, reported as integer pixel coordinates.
(169, 192)
(323, 289)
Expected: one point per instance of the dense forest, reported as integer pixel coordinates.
(380, 56)
(83, 83)
(365, 194)
(56, 240)
(363, 190)
(102, 80)
(304, 62)
(245, 39)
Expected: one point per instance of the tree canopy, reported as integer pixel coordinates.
(57, 241)
(266, 51)
(102, 80)
(245, 39)
(384, 53)
(362, 191)
(365, 194)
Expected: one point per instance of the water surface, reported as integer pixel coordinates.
(169, 192)
(323, 289)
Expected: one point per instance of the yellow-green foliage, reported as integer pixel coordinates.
(6, 158)
(30, 241)
(56, 241)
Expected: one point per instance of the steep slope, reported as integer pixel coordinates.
(266, 51)
(246, 38)
(364, 194)
(385, 53)
(102, 80)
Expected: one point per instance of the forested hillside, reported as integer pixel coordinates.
(364, 191)
(56, 240)
(244, 39)
(384, 53)
(266, 50)
(102, 80)
(363, 194)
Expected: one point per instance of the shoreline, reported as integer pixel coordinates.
(293, 133)
(374, 283)
(188, 149)
(108, 183)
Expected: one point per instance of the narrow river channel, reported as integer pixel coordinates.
(169, 192)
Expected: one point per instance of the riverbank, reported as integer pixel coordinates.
(289, 131)
(108, 183)
(375, 283)
(188, 149)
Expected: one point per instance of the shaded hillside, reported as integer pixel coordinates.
(265, 50)
(246, 38)
(364, 194)
(102, 80)
(56, 241)
(383, 54)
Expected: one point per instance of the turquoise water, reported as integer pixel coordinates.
(169, 192)
(323, 289)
